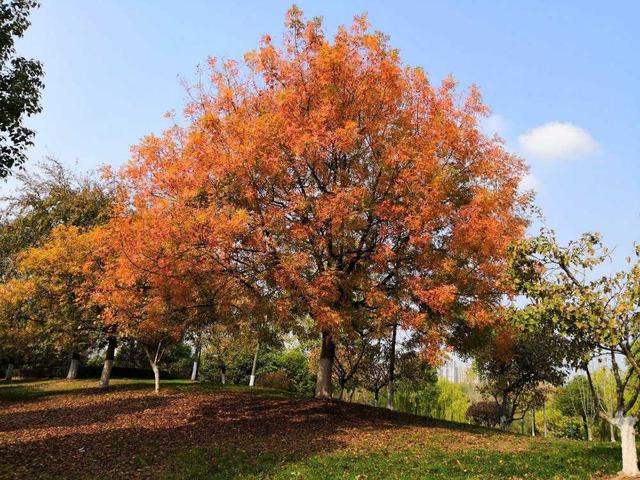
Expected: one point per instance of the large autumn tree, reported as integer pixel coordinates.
(336, 181)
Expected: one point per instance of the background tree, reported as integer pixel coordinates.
(16, 331)
(48, 198)
(515, 364)
(64, 316)
(577, 399)
(20, 85)
(451, 402)
(352, 348)
(599, 314)
(43, 199)
(374, 370)
(605, 388)
(416, 382)
(485, 413)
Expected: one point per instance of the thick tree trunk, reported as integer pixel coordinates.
(72, 374)
(392, 366)
(9, 373)
(628, 444)
(156, 376)
(252, 378)
(325, 366)
(195, 371)
(108, 362)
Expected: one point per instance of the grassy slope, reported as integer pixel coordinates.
(60, 429)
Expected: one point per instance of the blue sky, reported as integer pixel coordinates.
(560, 77)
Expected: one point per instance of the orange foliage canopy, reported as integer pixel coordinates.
(332, 179)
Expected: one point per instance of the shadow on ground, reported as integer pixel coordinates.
(131, 432)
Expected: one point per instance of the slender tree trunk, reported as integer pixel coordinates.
(156, 376)
(341, 396)
(108, 362)
(325, 366)
(223, 374)
(628, 444)
(533, 422)
(252, 378)
(9, 373)
(195, 371)
(153, 361)
(351, 393)
(612, 433)
(392, 366)
(544, 418)
(376, 397)
(72, 374)
(587, 428)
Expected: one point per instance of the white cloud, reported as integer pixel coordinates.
(494, 124)
(557, 141)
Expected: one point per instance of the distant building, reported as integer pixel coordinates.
(455, 371)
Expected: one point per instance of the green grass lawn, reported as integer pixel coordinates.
(62, 429)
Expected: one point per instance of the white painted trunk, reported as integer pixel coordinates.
(628, 444)
(9, 374)
(106, 373)
(533, 423)
(375, 401)
(156, 376)
(612, 433)
(252, 378)
(223, 378)
(72, 374)
(194, 371)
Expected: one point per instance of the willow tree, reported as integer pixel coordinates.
(352, 187)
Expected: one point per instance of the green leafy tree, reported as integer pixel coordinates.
(451, 402)
(43, 200)
(598, 314)
(577, 399)
(20, 85)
